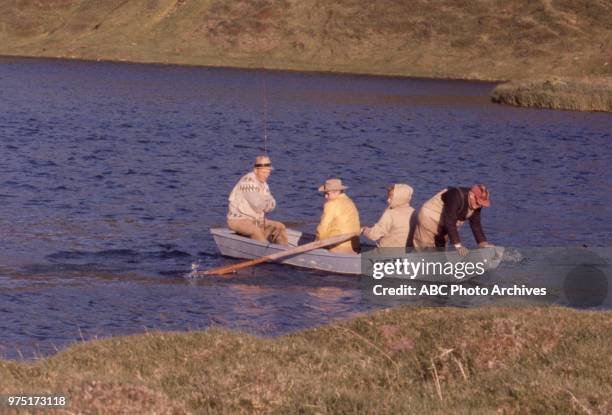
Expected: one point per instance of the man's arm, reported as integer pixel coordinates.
(382, 227)
(452, 206)
(270, 203)
(260, 202)
(477, 227)
(325, 224)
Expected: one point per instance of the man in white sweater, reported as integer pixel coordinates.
(250, 200)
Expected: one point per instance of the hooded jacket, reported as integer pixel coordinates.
(340, 216)
(393, 227)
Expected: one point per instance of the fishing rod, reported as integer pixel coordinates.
(265, 110)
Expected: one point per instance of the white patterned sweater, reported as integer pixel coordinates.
(250, 199)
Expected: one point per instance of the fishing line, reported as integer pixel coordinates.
(265, 111)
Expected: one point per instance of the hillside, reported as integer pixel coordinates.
(478, 39)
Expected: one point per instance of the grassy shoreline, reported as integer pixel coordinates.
(577, 94)
(405, 360)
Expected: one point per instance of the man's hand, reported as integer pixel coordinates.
(363, 229)
(462, 250)
(485, 244)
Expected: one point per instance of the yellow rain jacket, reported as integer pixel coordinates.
(340, 216)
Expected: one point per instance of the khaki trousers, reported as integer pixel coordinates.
(429, 232)
(266, 231)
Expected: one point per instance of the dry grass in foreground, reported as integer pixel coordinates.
(410, 361)
(580, 94)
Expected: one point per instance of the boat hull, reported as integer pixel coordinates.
(233, 245)
(236, 246)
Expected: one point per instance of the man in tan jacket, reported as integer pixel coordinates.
(250, 200)
(393, 227)
(339, 216)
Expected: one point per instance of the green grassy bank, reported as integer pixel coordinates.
(407, 360)
(581, 94)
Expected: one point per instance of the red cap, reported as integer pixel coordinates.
(482, 195)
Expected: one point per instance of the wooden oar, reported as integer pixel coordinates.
(296, 250)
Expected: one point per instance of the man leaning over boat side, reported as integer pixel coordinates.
(442, 215)
(340, 216)
(250, 200)
(396, 222)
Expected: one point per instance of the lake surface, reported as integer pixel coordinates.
(112, 175)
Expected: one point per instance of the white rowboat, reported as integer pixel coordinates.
(236, 246)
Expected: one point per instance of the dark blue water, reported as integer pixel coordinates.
(112, 175)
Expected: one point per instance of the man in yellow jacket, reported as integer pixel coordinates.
(339, 216)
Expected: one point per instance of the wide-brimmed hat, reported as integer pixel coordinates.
(331, 185)
(263, 162)
(482, 195)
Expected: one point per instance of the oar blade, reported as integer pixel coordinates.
(228, 269)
